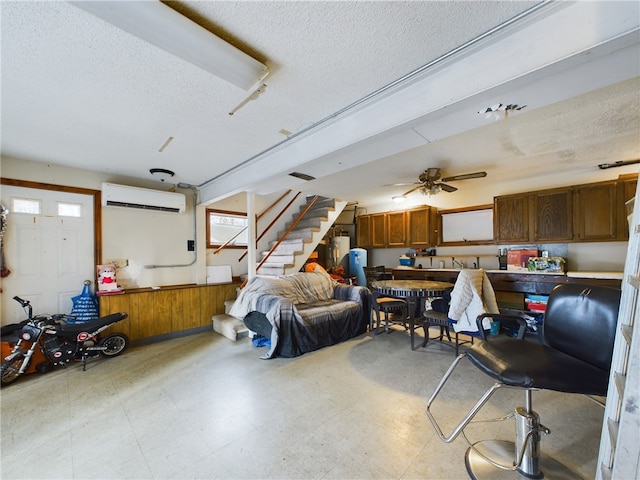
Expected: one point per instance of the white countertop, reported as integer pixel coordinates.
(574, 274)
(611, 275)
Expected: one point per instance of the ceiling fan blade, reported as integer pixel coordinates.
(447, 188)
(400, 184)
(412, 190)
(465, 176)
(619, 163)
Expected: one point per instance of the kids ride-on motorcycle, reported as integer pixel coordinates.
(60, 342)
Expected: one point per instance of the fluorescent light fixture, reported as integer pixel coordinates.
(160, 25)
(399, 198)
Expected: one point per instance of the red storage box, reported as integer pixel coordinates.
(518, 260)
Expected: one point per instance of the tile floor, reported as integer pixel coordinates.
(204, 407)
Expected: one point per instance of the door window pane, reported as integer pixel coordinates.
(26, 205)
(69, 209)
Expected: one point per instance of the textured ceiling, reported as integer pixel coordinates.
(77, 91)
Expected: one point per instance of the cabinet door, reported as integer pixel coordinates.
(596, 211)
(553, 215)
(378, 230)
(511, 218)
(418, 227)
(363, 239)
(396, 229)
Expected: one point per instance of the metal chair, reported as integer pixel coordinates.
(438, 317)
(579, 331)
(389, 306)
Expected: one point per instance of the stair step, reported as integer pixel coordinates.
(321, 202)
(230, 327)
(271, 271)
(276, 257)
(322, 212)
(289, 245)
(314, 222)
(302, 234)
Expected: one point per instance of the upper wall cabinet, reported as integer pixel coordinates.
(552, 215)
(511, 218)
(596, 211)
(411, 228)
(544, 216)
(363, 231)
(378, 230)
(396, 229)
(592, 212)
(419, 231)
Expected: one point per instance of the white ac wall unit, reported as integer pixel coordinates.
(143, 198)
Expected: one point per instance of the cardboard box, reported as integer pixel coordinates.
(518, 260)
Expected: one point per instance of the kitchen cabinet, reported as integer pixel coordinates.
(419, 232)
(396, 229)
(552, 215)
(597, 211)
(363, 231)
(542, 216)
(511, 218)
(592, 212)
(378, 230)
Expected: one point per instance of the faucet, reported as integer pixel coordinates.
(455, 262)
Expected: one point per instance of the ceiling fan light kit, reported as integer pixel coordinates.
(160, 25)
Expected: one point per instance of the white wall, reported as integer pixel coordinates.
(150, 238)
(141, 237)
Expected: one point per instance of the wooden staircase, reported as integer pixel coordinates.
(290, 254)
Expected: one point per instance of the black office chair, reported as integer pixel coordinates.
(391, 307)
(579, 331)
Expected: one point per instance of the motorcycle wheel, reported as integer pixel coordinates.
(114, 343)
(10, 370)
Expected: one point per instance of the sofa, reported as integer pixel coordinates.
(302, 312)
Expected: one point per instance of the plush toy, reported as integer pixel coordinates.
(107, 277)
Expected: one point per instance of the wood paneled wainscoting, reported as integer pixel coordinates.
(168, 311)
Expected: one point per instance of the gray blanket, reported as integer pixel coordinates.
(297, 328)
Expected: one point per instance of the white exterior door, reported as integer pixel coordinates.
(48, 247)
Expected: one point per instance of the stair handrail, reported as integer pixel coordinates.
(242, 230)
(291, 227)
(225, 244)
(286, 207)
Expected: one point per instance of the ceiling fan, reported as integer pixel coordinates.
(430, 182)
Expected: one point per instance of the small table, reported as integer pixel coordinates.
(414, 292)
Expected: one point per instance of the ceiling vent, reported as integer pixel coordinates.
(302, 176)
(142, 198)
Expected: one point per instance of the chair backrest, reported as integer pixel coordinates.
(581, 321)
(372, 274)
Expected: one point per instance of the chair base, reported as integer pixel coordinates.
(503, 453)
